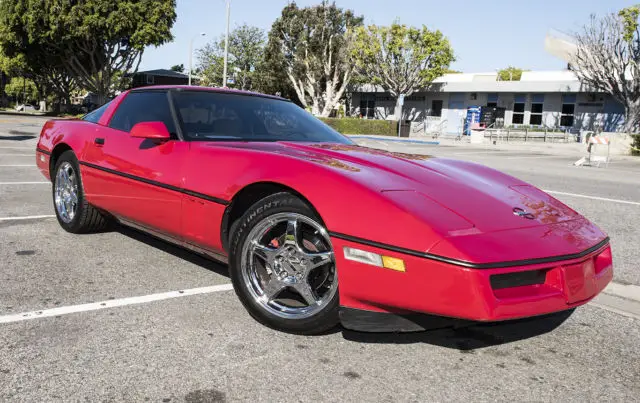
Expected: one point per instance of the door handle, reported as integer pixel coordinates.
(98, 141)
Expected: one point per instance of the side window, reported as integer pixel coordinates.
(149, 106)
(94, 116)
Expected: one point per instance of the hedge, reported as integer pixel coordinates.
(363, 126)
(635, 145)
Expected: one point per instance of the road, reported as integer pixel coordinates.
(120, 316)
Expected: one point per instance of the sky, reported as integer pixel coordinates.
(485, 34)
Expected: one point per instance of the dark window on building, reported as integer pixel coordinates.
(95, 115)
(566, 119)
(537, 106)
(436, 108)
(492, 100)
(536, 114)
(518, 113)
(368, 106)
(568, 110)
(148, 106)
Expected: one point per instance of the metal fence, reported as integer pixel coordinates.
(511, 134)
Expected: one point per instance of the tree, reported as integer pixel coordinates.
(401, 59)
(311, 46)
(178, 67)
(211, 63)
(46, 75)
(12, 66)
(23, 89)
(246, 46)
(270, 78)
(607, 59)
(510, 74)
(94, 41)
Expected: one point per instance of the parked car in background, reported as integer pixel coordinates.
(26, 108)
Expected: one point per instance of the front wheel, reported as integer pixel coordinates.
(283, 268)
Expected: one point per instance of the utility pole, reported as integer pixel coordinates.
(226, 45)
(191, 53)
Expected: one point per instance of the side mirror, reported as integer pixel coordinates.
(150, 130)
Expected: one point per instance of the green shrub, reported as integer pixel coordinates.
(635, 144)
(363, 126)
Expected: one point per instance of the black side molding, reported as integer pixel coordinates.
(158, 184)
(463, 263)
(45, 152)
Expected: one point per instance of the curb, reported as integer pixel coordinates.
(25, 114)
(399, 140)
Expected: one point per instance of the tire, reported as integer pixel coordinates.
(85, 217)
(286, 312)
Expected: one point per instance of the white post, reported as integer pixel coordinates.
(191, 54)
(226, 45)
(400, 102)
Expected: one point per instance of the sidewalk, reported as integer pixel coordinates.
(563, 149)
(27, 114)
(393, 138)
(570, 150)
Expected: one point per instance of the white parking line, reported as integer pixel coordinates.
(113, 303)
(18, 155)
(27, 217)
(25, 183)
(17, 165)
(18, 148)
(593, 197)
(603, 301)
(628, 291)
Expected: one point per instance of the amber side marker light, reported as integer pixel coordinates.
(374, 259)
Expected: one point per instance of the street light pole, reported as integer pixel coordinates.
(226, 45)
(191, 53)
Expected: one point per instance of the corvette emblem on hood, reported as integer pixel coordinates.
(522, 213)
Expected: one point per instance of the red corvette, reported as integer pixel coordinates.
(316, 229)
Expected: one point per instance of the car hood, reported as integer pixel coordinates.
(487, 199)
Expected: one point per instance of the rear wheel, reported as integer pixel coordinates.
(73, 212)
(283, 267)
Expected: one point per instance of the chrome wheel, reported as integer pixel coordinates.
(66, 192)
(288, 266)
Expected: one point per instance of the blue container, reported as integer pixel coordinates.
(473, 116)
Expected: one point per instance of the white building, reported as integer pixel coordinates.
(552, 99)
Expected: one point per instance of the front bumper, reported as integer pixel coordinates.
(444, 289)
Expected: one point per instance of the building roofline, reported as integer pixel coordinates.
(531, 81)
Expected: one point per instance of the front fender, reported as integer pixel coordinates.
(346, 203)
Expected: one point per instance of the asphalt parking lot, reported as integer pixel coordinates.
(120, 316)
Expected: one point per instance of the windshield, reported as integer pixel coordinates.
(210, 116)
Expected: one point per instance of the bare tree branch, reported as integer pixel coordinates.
(605, 61)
